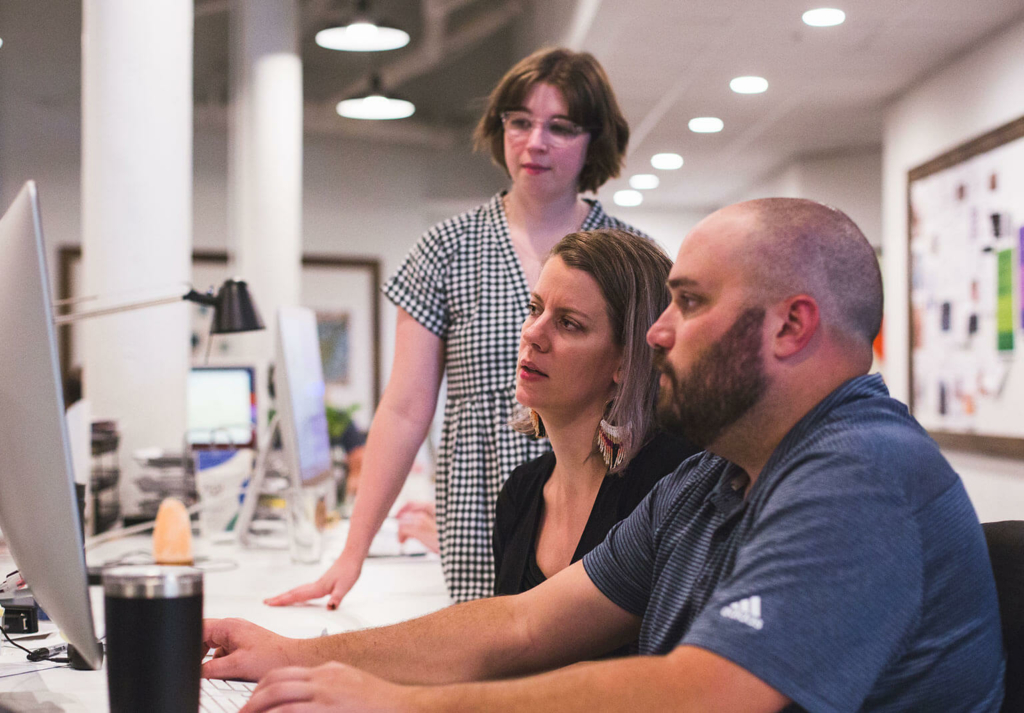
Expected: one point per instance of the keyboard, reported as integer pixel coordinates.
(216, 696)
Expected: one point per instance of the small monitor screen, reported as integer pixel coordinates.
(221, 406)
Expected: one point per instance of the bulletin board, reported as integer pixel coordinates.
(966, 263)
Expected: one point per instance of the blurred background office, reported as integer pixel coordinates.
(178, 141)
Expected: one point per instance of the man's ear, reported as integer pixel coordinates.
(798, 319)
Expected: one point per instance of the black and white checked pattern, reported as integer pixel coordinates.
(464, 283)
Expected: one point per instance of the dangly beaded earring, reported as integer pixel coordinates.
(609, 441)
(538, 425)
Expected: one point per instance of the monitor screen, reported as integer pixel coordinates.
(38, 510)
(222, 406)
(299, 387)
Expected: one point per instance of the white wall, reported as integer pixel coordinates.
(979, 92)
(666, 227)
(850, 181)
(783, 183)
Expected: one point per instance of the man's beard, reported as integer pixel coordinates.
(723, 384)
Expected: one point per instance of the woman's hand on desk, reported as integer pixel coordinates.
(244, 651)
(336, 582)
(419, 521)
(331, 687)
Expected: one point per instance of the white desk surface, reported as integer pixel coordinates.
(391, 589)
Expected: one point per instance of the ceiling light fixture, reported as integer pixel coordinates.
(706, 125)
(749, 85)
(375, 105)
(667, 161)
(644, 181)
(628, 198)
(824, 17)
(363, 33)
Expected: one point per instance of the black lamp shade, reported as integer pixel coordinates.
(234, 310)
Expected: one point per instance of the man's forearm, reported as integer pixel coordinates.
(564, 620)
(687, 680)
(622, 684)
(467, 642)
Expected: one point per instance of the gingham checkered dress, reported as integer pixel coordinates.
(463, 282)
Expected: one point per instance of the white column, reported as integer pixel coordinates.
(137, 215)
(265, 166)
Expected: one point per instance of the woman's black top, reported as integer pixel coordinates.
(521, 499)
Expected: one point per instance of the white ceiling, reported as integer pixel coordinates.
(672, 60)
(669, 60)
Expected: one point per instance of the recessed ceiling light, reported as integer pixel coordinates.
(706, 125)
(1, 43)
(667, 161)
(824, 17)
(749, 85)
(644, 181)
(628, 198)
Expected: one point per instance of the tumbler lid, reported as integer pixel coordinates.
(152, 582)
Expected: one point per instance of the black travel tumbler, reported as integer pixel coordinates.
(154, 621)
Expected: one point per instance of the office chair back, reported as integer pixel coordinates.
(1006, 550)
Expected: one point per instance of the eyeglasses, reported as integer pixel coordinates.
(519, 125)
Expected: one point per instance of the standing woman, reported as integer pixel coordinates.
(462, 293)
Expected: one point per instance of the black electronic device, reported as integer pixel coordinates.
(21, 620)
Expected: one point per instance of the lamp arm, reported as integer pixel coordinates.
(190, 296)
(200, 297)
(233, 308)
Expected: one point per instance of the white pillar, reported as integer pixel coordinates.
(265, 165)
(137, 215)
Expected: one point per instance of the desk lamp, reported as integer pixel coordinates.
(233, 308)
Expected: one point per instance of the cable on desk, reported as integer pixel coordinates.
(9, 639)
(117, 534)
(143, 557)
(216, 565)
(36, 655)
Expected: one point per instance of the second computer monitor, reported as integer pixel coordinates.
(299, 389)
(222, 406)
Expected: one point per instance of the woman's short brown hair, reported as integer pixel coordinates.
(631, 272)
(589, 97)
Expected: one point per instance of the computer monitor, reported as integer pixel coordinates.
(222, 406)
(38, 509)
(299, 397)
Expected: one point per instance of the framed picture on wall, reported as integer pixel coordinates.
(343, 291)
(966, 264)
(334, 329)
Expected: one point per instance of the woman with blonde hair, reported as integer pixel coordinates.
(553, 125)
(586, 381)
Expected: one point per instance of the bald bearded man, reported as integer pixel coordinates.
(821, 555)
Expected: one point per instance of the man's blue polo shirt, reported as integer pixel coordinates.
(854, 576)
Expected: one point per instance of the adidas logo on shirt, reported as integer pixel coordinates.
(746, 611)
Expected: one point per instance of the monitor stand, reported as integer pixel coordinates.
(252, 492)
